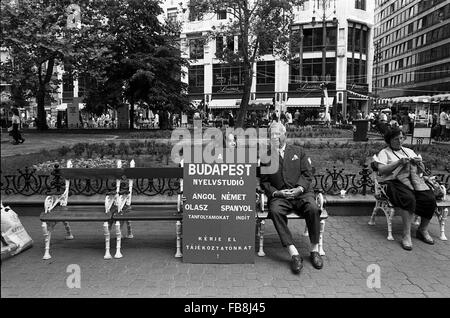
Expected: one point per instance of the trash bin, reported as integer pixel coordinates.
(360, 133)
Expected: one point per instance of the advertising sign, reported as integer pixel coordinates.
(219, 213)
(73, 113)
(123, 117)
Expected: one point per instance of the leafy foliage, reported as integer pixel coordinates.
(260, 25)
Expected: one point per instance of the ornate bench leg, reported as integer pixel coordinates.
(322, 230)
(106, 229)
(374, 214)
(416, 220)
(129, 230)
(47, 228)
(69, 235)
(178, 232)
(442, 214)
(118, 240)
(260, 225)
(389, 215)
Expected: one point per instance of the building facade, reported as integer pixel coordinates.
(331, 42)
(412, 39)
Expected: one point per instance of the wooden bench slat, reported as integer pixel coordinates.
(84, 213)
(150, 212)
(92, 173)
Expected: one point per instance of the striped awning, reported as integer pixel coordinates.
(304, 102)
(356, 96)
(224, 103)
(440, 97)
(412, 99)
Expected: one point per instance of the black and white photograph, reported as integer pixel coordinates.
(221, 156)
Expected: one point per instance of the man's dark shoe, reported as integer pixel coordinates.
(296, 264)
(316, 260)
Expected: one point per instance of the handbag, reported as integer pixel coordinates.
(438, 190)
(10, 128)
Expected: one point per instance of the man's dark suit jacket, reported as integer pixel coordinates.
(294, 170)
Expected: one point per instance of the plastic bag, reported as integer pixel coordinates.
(13, 231)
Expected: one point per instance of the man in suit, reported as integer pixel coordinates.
(290, 190)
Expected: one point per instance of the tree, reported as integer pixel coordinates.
(37, 38)
(140, 62)
(259, 24)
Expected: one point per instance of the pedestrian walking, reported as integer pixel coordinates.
(15, 132)
(442, 122)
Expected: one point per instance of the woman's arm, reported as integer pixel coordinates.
(387, 169)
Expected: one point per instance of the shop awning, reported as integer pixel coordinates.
(63, 106)
(224, 103)
(412, 99)
(357, 96)
(307, 102)
(259, 104)
(441, 97)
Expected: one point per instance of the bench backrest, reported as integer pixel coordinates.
(69, 173)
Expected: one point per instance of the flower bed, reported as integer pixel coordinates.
(48, 166)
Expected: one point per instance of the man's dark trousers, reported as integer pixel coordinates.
(305, 205)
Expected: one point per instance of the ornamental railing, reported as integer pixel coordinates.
(28, 182)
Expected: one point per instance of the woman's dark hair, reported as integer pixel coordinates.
(391, 133)
(274, 117)
(15, 111)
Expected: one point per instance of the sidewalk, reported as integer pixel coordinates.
(36, 142)
(149, 269)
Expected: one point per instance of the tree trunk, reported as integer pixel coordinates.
(42, 89)
(248, 79)
(41, 116)
(131, 114)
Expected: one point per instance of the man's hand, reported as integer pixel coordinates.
(294, 193)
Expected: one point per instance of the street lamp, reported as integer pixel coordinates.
(324, 43)
(377, 59)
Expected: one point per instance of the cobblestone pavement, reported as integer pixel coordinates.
(149, 269)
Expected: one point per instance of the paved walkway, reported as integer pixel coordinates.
(149, 268)
(35, 142)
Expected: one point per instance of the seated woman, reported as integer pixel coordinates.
(400, 169)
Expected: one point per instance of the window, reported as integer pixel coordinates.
(224, 75)
(196, 48)
(85, 82)
(194, 15)
(196, 74)
(67, 80)
(222, 14)
(219, 46)
(265, 72)
(230, 43)
(304, 6)
(360, 4)
(358, 36)
(312, 70)
(172, 15)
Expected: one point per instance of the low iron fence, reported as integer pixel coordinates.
(28, 182)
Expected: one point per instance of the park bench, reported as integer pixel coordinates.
(263, 214)
(57, 208)
(154, 211)
(383, 204)
(118, 208)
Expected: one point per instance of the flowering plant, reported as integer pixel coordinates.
(48, 166)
